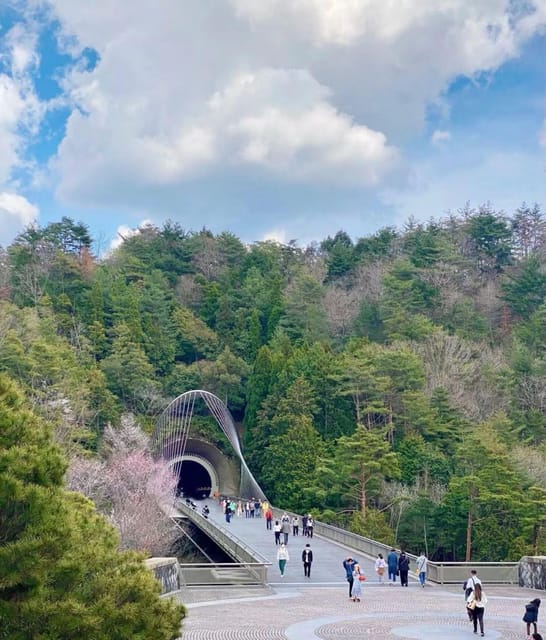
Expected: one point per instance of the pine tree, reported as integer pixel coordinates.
(61, 575)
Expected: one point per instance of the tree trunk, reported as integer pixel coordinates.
(469, 532)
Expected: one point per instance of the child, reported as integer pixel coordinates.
(531, 615)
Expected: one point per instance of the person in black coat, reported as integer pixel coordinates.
(349, 566)
(403, 568)
(531, 615)
(307, 559)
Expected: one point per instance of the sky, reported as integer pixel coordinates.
(271, 119)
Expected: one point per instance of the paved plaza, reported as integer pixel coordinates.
(305, 612)
(298, 608)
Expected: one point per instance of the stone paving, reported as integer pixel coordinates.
(305, 612)
(295, 608)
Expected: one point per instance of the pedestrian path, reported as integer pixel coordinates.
(327, 568)
(299, 608)
(288, 612)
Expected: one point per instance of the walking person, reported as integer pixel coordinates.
(422, 568)
(282, 558)
(277, 531)
(295, 526)
(476, 604)
(392, 564)
(310, 525)
(380, 566)
(304, 525)
(469, 586)
(358, 579)
(307, 559)
(285, 527)
(403, 568)
(268, 519)
(349, 566)
(531, 615)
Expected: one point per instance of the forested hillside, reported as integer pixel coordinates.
(395, 384)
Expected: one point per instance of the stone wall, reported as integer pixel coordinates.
(532, 572)
(166, 571)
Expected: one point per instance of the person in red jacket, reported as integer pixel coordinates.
(268, 518)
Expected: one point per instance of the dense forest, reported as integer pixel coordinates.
(394, 384)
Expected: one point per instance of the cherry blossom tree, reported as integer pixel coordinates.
(129, 487)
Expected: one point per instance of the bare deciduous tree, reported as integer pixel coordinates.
(341, 308)
(461, 367)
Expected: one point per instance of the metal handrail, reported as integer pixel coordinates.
(231, 543)
(440, 572)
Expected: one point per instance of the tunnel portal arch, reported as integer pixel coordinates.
(200, 480)
(172, 431)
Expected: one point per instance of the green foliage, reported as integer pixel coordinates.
(291, 460)
(492, 239)
(444, 327)
(526, 290)
(374, 526)
(61, 575)
(340, 255)
(357, 466)
(128, 371)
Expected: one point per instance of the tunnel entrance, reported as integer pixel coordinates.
(194, 480)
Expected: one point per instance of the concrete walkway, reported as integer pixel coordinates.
(327, 568)
(385, 612)
(298, 608)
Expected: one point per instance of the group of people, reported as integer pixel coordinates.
(355, 577)
(287, 525)
(306, 557)
(476, 601)
(394, 565)
(252, 508)
(284, 527)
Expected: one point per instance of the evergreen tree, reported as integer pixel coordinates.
(61, 575)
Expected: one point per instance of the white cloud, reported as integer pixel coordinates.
(276, 235)
(281, 121)
(505, 179)
(299, 92)
(20, 109)
(123, 232)
(16, 212)
(439, 136)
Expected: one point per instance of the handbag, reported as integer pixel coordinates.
(471, 604)
(362, 577)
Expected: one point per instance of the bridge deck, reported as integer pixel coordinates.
(297, 608)
(328, 556)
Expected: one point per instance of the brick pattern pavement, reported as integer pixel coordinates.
(326, 613)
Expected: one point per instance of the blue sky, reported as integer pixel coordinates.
(278, 120)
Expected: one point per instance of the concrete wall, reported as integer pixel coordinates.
(532, 572)
(166, 571)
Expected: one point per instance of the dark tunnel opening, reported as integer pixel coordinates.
(194, 480)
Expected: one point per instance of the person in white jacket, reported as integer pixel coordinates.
(282, 558)
(475, 603)
(380, 567)
(422, 568)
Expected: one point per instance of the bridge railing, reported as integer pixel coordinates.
(250, 566)
(223, 574)
(440, 572)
